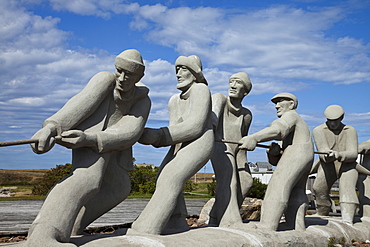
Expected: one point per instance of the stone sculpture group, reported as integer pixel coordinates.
(102, 122)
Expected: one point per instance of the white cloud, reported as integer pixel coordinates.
(28, 101)
(280, 42)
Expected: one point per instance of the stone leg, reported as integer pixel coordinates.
(115, 188)
(225, 210)
(348, 212)
(54, 223)
(347, 193)
(244, 177)
(287, 175)
(324, 181)
(177, 221)
(365, 192)
(186, 162)
(297, 206)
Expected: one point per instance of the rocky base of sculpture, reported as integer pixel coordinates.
(249, 210)
(321, 231)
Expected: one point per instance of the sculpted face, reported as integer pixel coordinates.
(236, 88)
(125, 80)
(184, 77)
(334, 124)
(283, 105)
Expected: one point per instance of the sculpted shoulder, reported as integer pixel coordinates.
(200, 87)
(141, 89)
(104, 79)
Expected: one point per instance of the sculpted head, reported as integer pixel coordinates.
(284, 102)
(334, 115)
(188, 71)
(129, 69)
(239, 85)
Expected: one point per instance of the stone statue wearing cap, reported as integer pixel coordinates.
(231, 121)
(100, 124)
(190, 137)
(363, 182)
(341, 144)
(293, 157)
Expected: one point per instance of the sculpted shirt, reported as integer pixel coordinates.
(117, 122)
(189, 114)
(345, 143)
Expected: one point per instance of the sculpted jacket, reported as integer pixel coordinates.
(345, 143)
(117, 122)
(230, 124)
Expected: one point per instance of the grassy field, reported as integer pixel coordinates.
(25, 179)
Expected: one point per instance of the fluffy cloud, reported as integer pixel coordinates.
(280, 42)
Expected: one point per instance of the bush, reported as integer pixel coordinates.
(143, 179)
(211, 187)
(190, 186)
(51, 177)
(258, 189)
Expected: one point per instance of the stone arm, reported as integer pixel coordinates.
(83, 104)
(351, 152)
(241, 155)
(278, 130)
(195, 123)
(78, 108)
(127, 131)
(218, 105)
(321, 143)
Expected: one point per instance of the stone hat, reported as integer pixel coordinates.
(285, 96)
(333, 112)
(131, 60)
(245, 79)
(194, 64)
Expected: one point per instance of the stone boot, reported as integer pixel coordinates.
(348, 212)
(323, 210)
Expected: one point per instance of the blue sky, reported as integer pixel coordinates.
(317, 50)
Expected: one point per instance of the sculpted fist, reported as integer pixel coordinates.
(76, 139)
(274, 149)
(249, 143)
(151, 137)
(46, 139)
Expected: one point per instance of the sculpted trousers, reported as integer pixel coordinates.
(286, 191)
(326, 176)
(175, 171)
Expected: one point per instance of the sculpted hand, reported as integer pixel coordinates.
(151, 137)
(249, 143)
(274, 149)
(46, 139)
(333, 155)
(77, 138)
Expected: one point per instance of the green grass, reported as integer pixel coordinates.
(201, 188)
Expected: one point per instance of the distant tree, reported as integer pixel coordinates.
(211, 187)
(258, 189)
(50, 178)
(143, 179)
(190, 186)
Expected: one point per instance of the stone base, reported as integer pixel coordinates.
(318, 232)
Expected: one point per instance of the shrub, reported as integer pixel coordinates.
(190, 186)
(51, 177)
(211, 187)
(258, 189)
(143, 179)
